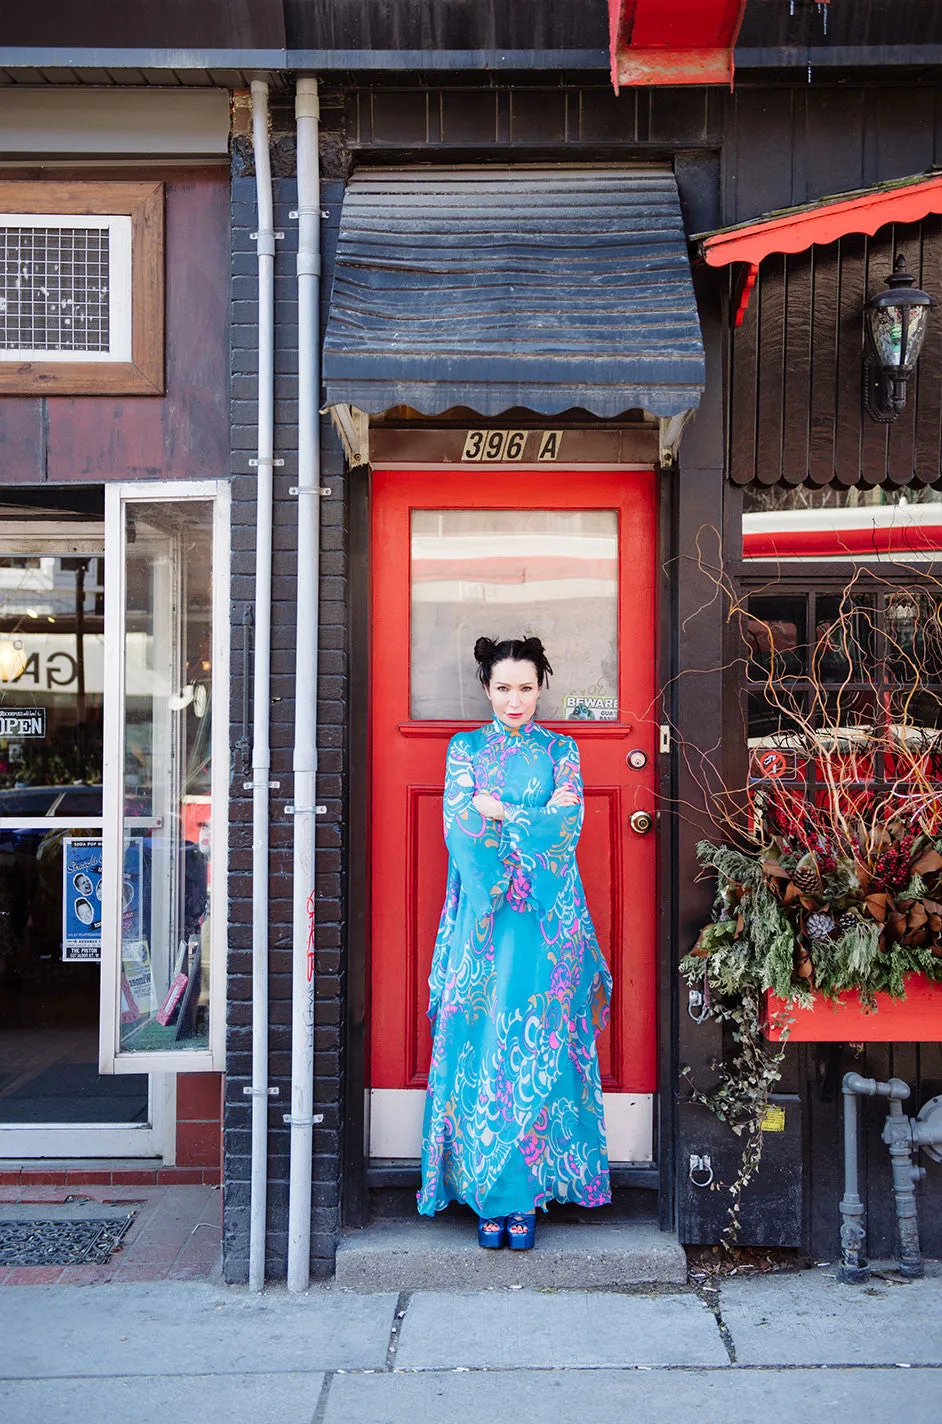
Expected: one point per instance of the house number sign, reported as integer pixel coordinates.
(496, 446)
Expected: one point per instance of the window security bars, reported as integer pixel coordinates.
(54, 290)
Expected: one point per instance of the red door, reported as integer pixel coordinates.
(572, 557)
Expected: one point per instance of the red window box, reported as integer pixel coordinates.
(915, 1019)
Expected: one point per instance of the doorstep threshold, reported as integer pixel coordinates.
(442, 1253)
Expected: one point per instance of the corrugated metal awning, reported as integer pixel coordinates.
(549, 288)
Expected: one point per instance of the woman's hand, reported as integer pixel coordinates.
(488, 806)
(562, 796)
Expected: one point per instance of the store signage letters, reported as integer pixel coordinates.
(23, 722)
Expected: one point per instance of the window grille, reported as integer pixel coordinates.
(64, 288)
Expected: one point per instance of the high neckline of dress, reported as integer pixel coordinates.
(500, 729)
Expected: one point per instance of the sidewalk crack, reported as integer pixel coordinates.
(320, 1408)
(402, 1305)
(710, 1295)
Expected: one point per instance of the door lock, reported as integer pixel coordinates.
(641, 822)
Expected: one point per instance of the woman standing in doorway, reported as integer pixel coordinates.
(519, 987)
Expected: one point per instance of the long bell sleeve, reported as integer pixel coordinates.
(541, 840)
(472, 839)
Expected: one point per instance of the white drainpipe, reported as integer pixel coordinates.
(302, 1116)
(261, 706)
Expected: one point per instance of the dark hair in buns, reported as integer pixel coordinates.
(519, 650)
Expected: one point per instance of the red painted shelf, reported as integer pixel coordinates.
(915, 1019)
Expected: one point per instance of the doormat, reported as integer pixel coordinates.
(61, 1243)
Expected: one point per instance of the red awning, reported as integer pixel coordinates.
(900, 200)
(673, 41)
(903, 200)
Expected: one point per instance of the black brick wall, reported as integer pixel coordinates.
(332, 752)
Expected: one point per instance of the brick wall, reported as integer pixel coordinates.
(333, 653)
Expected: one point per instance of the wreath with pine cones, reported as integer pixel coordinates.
(797, 921)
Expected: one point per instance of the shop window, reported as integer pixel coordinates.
(81, 288)
(879, 525)
(165, 780)
(843, 683)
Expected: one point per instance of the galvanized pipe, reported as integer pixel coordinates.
(302, 1117)
(261, 750)
(853, 1267)
(898, 1134)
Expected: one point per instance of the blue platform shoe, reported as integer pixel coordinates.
(521, 1239)
(491, 1231)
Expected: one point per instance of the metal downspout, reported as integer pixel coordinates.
(302, 1116)
(261, 753)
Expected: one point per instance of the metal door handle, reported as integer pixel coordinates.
(641, 822)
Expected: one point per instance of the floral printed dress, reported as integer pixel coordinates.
(519, 989)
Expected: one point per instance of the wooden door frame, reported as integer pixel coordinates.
(358, 1178)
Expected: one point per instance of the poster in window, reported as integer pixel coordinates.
(81, 897)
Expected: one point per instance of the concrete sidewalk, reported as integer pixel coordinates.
(797, 1346)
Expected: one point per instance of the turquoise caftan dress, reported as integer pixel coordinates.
(519, 989)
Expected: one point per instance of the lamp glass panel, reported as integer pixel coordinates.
(886, 333)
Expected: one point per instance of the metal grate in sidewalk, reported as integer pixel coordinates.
(61, 1243)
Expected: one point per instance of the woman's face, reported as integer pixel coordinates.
(513, 692)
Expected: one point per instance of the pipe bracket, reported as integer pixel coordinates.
(265, 460)
(293, 1121)
(305, 810)
(310, 489)
(251, 1092)
(266, 242)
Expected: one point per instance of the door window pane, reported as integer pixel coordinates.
(506, 574)
(52, 672)
(166, 790)
(51, 688)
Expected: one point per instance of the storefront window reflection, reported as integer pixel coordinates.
(834, 524)
(52, 677)
(166, 787)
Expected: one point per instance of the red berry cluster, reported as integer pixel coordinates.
(892, 868)
(827, 860)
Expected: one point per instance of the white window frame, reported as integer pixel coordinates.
(118, 498)
(119, 287)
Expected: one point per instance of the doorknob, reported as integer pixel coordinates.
(641, 822)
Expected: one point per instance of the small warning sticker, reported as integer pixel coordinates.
(774, 1120)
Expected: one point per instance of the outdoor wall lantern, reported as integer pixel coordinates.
(896, 325)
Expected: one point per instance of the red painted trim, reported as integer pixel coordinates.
(745, 284)
(818, 543)
(797, 229)
(683, 42)
(685, 66)
(915, 1019)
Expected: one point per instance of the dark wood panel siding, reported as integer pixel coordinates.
(527, 116)
(181, 435)
(787, 146)
(797, 369)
